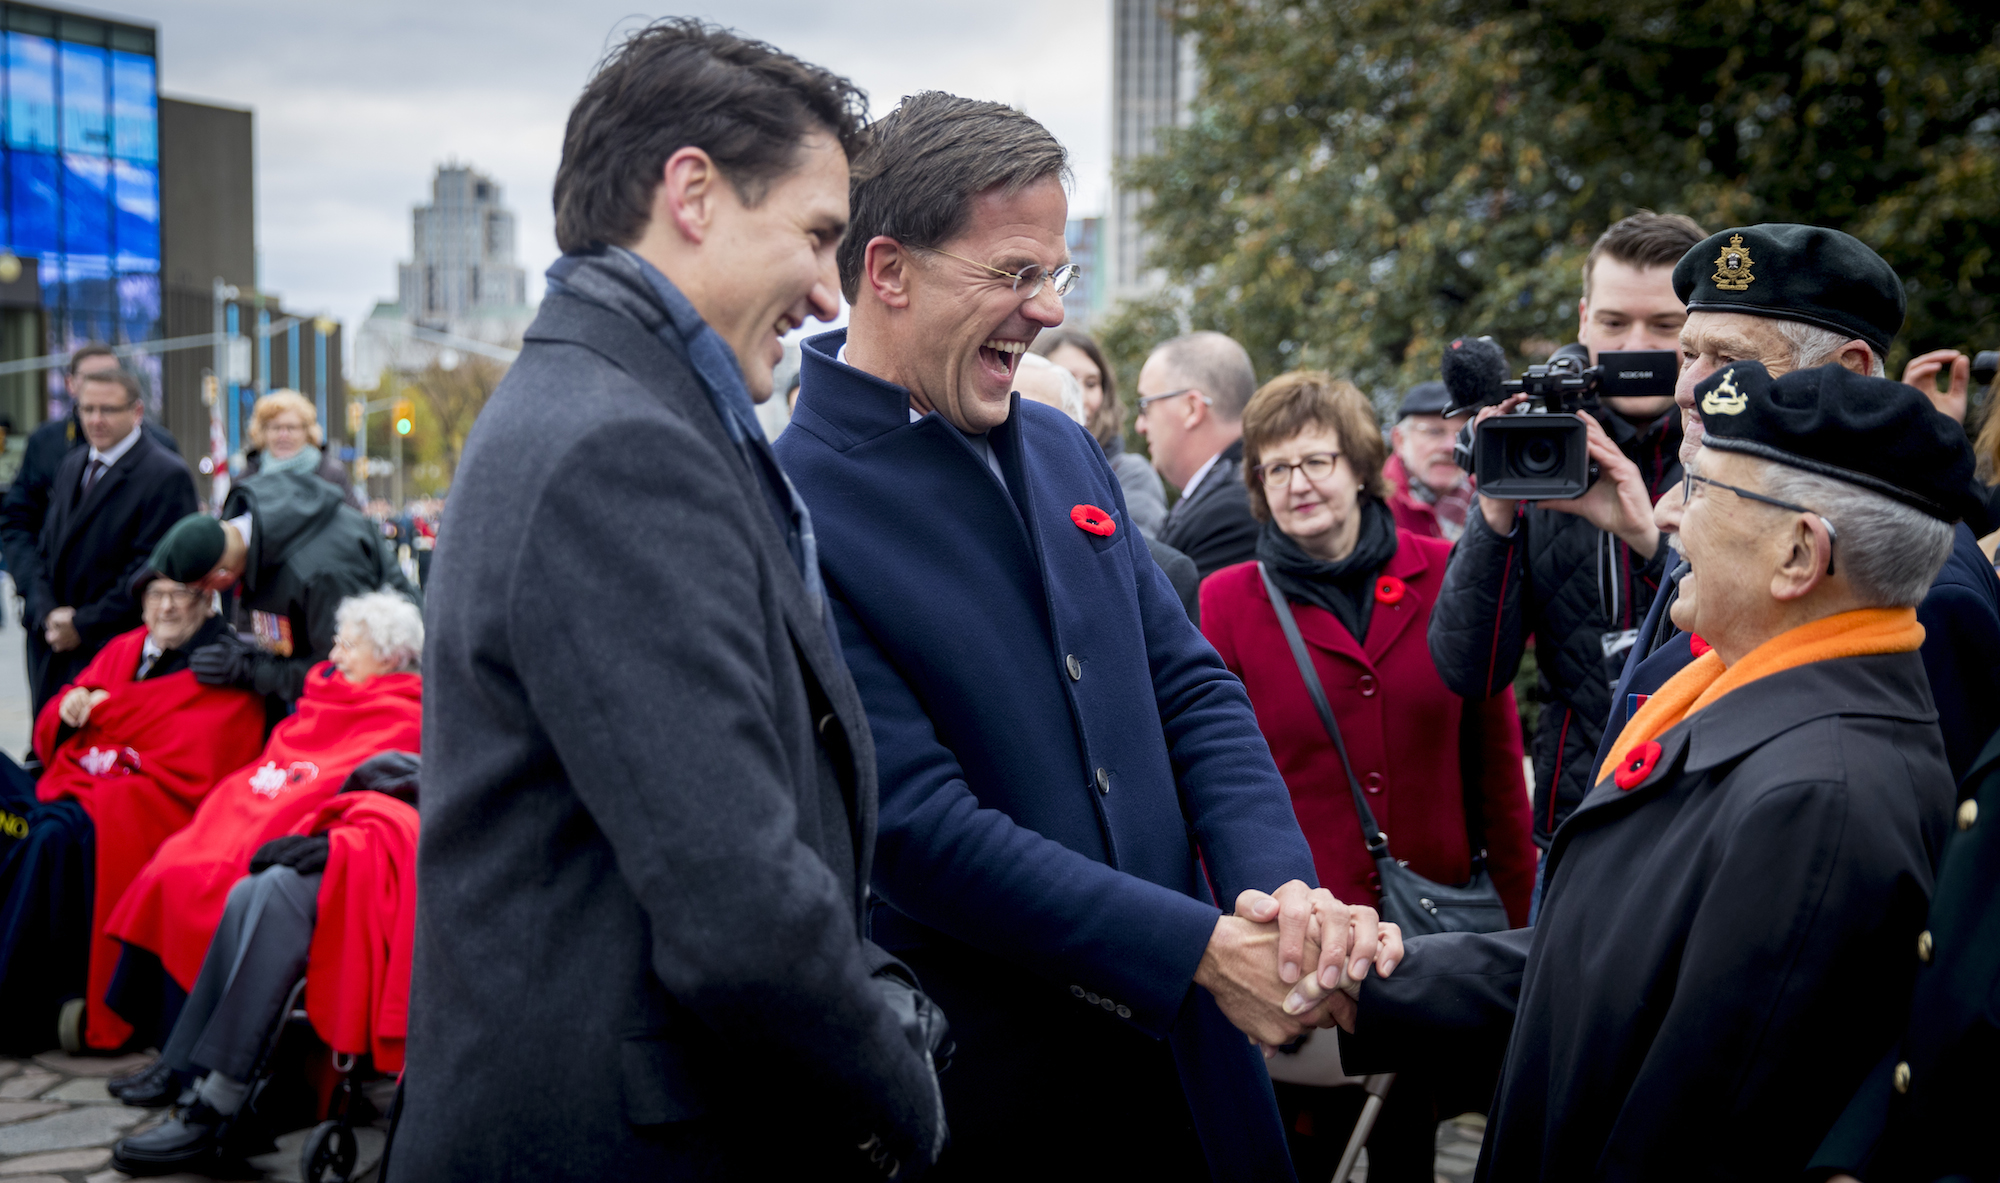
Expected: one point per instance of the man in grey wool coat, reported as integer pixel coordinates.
(649, 820)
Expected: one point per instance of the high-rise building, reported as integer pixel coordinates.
(121, 211)
(1152, 78)
(464, 252)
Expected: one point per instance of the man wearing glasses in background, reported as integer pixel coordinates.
(108, 505)
(1192, 392)
(1061, 755)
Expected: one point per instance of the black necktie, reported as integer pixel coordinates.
(90, 475)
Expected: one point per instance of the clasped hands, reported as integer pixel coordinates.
(59, 630)
(1293, 960)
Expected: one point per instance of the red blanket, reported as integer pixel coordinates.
(173, 906)
(358, 974)
(138, 767)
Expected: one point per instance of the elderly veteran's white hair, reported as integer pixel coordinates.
(1888, 551)
(1813, 346)
(391, 623)
(1039, 378)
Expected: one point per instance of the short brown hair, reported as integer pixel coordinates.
(1109, 422)
(925, 162)
(1644, 240)
(1300, 401)
(682, 83)
(121, 378)
(88, 350)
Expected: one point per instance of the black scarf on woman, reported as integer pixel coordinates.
(1344, 587)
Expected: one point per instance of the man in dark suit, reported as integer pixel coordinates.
(26, 504)
(1067, 766)
(109, 503)
(649, 789)
(1192, 392)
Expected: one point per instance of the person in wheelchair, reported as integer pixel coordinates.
(367, 699)
(333, 903)
(128, 751)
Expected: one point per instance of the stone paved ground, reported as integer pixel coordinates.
(57, 1125)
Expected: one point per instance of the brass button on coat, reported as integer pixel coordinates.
(1902, 1077)
(1924, 946)
(1103, 781)
(1967, 814)
(1075, 667)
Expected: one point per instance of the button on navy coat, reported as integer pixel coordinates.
(1721, 954)
(1060, 753)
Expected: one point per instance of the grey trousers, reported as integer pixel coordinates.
(257, 955)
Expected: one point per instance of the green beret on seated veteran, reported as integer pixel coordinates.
(1721, 952)
(293, 549)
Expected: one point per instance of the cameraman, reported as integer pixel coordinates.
(1577, 575)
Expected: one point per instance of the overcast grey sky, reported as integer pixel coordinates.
(358, 101)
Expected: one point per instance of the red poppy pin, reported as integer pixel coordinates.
(1697, 646)
(1638, 765)
(1092, 520)
(1390, 590)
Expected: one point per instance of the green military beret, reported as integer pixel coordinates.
(189, 549)
(1791, 272)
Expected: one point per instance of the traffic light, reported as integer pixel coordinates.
(405, 415)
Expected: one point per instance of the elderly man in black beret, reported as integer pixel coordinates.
(1722, 946)
(1793, 297)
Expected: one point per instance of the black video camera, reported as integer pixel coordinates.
(1540, 452)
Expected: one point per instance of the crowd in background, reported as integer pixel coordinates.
(1118, 751)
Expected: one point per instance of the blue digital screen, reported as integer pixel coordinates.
(135, 112)
(31, 92)
(86, 206)
(135, 193)
(33, 179)
(86, 123)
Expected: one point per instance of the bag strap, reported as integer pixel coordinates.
(1377, 841)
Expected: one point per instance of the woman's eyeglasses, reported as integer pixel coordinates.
(1317, 467)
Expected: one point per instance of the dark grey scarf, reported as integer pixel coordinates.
(1344, 587)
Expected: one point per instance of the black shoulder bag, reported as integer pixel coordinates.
(1409, 900)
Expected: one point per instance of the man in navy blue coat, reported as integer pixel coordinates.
(1069, 775)
(1823, 296)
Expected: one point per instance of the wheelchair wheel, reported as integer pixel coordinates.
(329, 1154)
(69, 1026)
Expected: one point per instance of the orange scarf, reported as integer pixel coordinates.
(1860, 633)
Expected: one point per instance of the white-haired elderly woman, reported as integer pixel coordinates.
(284, 433)
(367, 699)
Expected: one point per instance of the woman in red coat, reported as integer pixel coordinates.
(1362, 592)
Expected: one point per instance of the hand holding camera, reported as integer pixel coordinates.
(1535, 438)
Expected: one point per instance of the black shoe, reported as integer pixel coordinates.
(189, 1138)
(117, 1085)
(152, 1087)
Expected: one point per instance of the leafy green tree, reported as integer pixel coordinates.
(1363, 179)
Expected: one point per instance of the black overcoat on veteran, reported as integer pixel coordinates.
(1718, 961)
(1922, 1113)
(649, 803)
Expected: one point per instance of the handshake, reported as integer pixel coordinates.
(1291, 961)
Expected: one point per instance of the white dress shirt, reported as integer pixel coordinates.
(1194, 482)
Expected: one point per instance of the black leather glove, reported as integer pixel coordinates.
(224, 661)
(304, 853)
(924, 1025)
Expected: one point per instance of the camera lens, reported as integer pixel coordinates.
(1535, 455)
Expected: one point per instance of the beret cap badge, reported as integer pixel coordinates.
(1732, 266)
(1725, 399)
